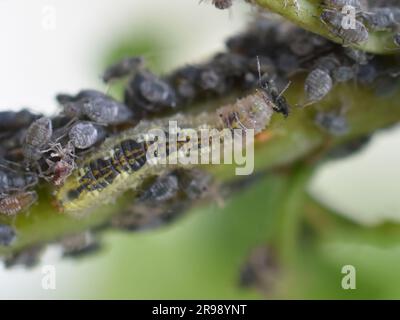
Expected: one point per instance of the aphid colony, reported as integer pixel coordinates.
(89, 158)
(352, 20)
(120, 164)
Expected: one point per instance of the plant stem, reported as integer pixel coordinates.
(308, 15)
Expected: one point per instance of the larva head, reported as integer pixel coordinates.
(252, 112)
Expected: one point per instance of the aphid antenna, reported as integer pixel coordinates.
(4, 164)
(259, 71)
(309, 103)
(284, 89)
(66, 128)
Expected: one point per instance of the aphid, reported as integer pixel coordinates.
(333, 20)
(28, 257)
(184, 81)
(317, 85)
(147, 92)
(339, 4)
(79, 244)
(162, 189)
(380, 19)
(11, 205)
(73, 105)
(7, 235)
(357, 55)
(105, 110)
(123, 68)
(329, 63)
(335, 124)
(84, 134)
(366, 74)
(288, 63)
(148, 216)
(261, 270)
(195, 183)
(209, 79)
(12, 180)
(97, 106)
(11, 120)
(343, 74)
(221, 4)
(37, 136)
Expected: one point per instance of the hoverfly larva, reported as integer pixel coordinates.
(121, 162)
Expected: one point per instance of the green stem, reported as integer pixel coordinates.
(288, 141)
(287, 234)
(308, 15)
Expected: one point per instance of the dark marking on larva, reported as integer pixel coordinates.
(128, 156)
(135, 153)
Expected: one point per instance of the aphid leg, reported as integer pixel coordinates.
(284, 89)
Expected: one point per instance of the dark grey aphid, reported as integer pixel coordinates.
(7, 235)
(357, 55)
(27, 258)
(106, 110)
(379, 19)
(209, 79)
(339, 4)
(261, 270)
(12, 180)
(184, 81)
(37, 136)
(11, 120)
(147, 92)
(80, 244)
(222, 4)
(85, 134)
(335, 124)
(195, 183)
(123, 68)
(367, 74)
(317, 85)
(288, 63)
(343, 74)
(329, 63)
(97, 106)
(333, 20)
(162, 189)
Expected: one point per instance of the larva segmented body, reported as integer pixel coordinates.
(121, 162)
